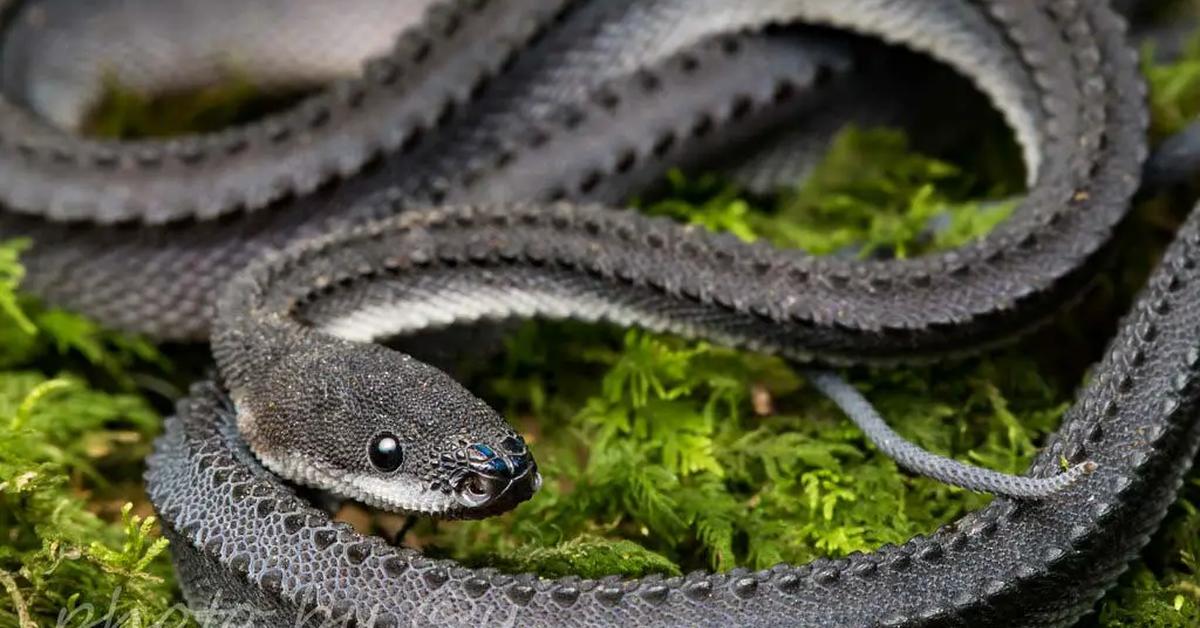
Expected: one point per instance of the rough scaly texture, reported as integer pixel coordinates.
(1059, 72)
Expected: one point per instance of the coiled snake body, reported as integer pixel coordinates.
(372, 193)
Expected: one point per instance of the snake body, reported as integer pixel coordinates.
(443, 187)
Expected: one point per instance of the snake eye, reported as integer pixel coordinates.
(385, 452)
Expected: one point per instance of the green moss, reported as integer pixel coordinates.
(588, 557)
(871, 192)
(1174, 96)
(127, 114)
(1163, 588)
(1144, 600)
(71, 547)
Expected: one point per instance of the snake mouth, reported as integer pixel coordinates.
(474, 489)
(491, 479)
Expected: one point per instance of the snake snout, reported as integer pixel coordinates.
(491, 475)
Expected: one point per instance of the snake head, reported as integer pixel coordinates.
(368, 423)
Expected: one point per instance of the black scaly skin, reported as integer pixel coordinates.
(1058, 70)
(146, 279)
(331, 136)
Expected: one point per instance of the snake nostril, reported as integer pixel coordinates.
(513, 445)
(509, 461)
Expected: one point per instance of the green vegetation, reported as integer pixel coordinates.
(1174, 85)
(126, 114)
(871, 192)
(661, 455)
(72, 438)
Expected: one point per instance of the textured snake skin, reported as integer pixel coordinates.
(488, 106)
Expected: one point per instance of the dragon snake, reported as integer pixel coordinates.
(356, 215)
